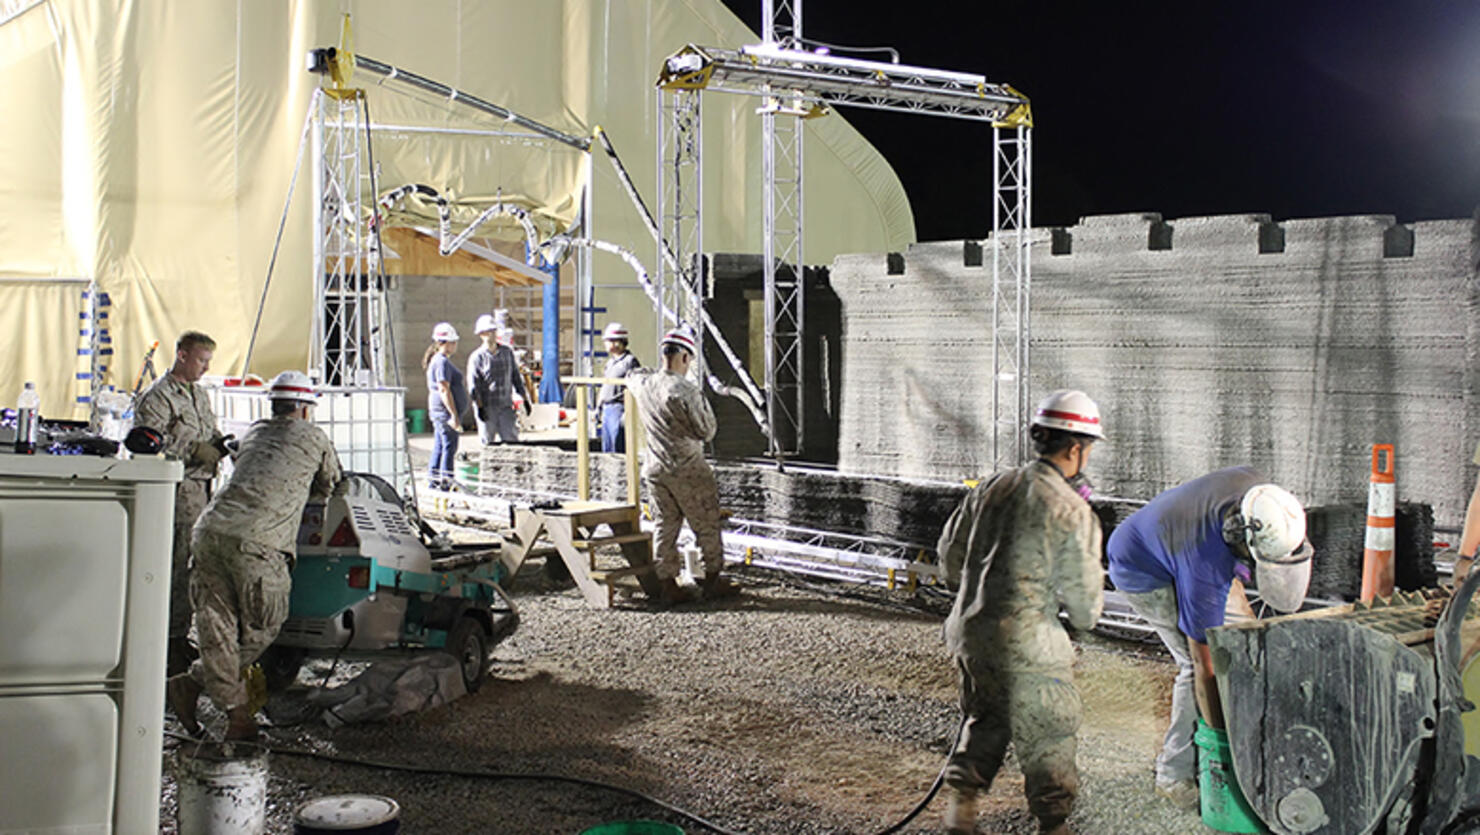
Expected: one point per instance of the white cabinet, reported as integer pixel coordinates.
(84, 606)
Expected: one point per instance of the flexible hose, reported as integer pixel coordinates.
(490, 775)
(940, 780)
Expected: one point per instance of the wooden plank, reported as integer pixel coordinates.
(598, 541)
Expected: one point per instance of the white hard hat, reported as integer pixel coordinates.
(1071, 411)
(444, 332)
(485, 324)
(1274, 528)
(614, 330)
(293, 385)
(680, 336)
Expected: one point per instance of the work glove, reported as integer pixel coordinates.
(204, 454)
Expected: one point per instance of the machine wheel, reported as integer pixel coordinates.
(468, 643)
(280, 666)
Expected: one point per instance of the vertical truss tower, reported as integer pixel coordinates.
(781, 205)
(680, 200)
(347, 346)
(1012, 162)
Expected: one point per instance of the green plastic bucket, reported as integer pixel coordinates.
(416, 421)
(1223, 805)
(467, 473)
(633, 828)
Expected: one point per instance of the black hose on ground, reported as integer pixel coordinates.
(940, 780)
(491, 775)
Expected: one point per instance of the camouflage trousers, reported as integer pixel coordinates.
(240, 592)
(1038, 713)
(690, 494)
(191, 497)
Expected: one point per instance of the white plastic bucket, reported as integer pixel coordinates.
(222, 788)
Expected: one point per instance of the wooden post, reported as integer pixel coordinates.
(583, 447)
(629, 416)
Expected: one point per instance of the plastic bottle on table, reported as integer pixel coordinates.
(27, 417)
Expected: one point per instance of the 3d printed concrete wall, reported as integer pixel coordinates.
(1207, 341)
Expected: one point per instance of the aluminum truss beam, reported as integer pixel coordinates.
(829, 81)
(801, 84)
(784, 289)
(680, 201)
(1012, 162)
(347, 344)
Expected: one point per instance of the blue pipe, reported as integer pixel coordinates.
(550, 391)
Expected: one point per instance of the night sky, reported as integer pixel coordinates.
(1297, 109)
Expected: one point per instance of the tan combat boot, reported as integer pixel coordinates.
(674, 594)
(242, 725)
(716, 586)
(960, 811)
(1053, 827)
(183, 693)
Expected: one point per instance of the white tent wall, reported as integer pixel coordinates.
(149, 145)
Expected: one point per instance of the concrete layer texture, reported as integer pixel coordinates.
(913, 512)
(1208, 342)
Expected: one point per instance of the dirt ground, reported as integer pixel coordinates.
(792, 709)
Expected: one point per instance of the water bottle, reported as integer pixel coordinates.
(27, 416)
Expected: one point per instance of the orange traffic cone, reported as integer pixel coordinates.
(1377, 556)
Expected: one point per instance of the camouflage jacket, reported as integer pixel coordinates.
(675, 416)
(182, 413)
(1020, 546)
(282, 461)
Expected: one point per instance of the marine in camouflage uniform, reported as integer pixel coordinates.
(680, 484)
(179, 409)
(1020, 547)
(243, 545)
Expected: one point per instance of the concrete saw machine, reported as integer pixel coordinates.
(1358, 718)
(371, 577)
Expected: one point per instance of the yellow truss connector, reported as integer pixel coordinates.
(1018, 117)
(695, 80)
(342, 67)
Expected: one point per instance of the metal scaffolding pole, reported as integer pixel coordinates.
(680, 205)
(1012, 158)
(781, 205)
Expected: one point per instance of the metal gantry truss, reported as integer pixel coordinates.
(794, 84)
(347, 346)
(1012, 164)
(680, 198)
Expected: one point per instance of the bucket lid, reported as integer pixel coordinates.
(347, 811)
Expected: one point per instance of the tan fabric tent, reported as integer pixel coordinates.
(150, 144)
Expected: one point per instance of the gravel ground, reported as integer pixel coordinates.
(795, 708)
(787, 710)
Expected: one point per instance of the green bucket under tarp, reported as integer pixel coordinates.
(639, 827)
(1223, 805)
(416, 421)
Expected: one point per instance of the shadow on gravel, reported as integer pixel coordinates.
(835, 606)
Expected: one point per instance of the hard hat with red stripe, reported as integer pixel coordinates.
(1071, 411)
(614, 330)
(293, 385)
(444, 332)
(680, 336)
